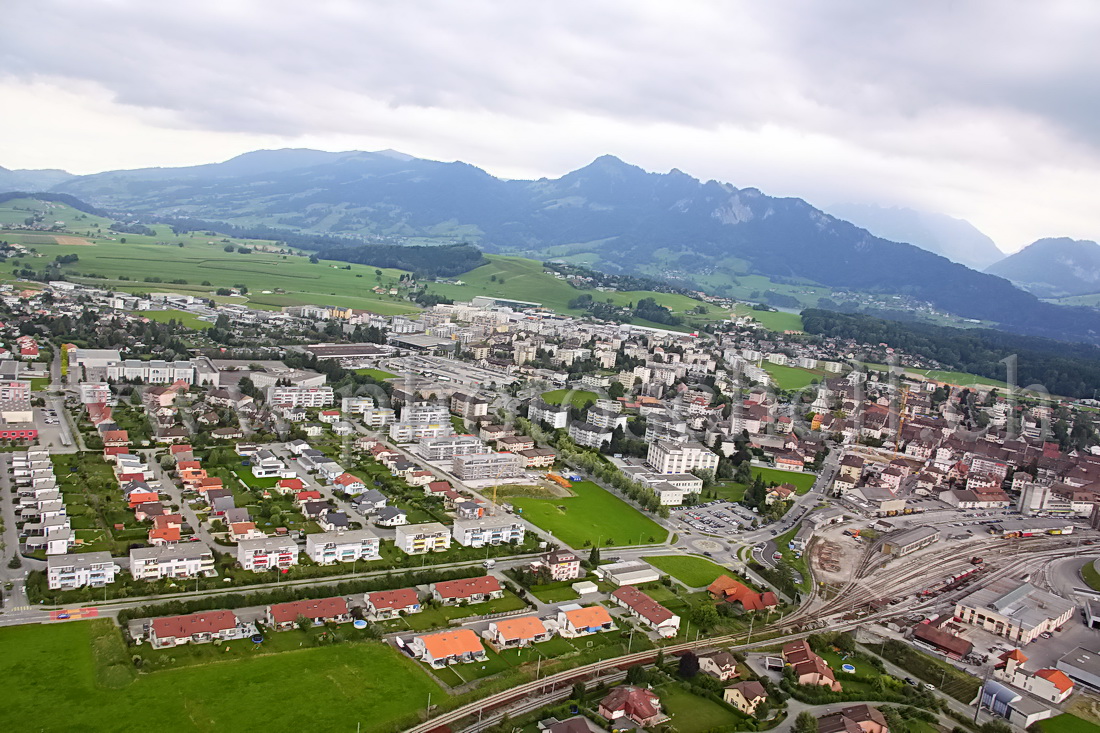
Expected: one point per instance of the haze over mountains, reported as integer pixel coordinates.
(609, 214)
(31, 180)
(956, 239)
(1054, 267)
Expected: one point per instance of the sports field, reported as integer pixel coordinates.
(803, 482)
(79, 676)
(579, 397)
(183, 317)
(694, 572)
(788, 377)
(592, 516)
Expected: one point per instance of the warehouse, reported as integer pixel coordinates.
(909, 541)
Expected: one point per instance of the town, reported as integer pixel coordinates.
(623, 525)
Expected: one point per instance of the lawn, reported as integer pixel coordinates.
(592, 516)
(729, 490)
(78, 676)
(378, 374)
(579, 397)
(694, 714)
(788, 377)
(694, 572)
(554, 595)
(1066, 723)
(1090, 576)
(440, 617)
(803, 482)
(183, 317)
(40, 384)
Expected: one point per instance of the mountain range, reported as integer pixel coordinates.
(608, 214)
(1053, 268)
(31, 180)
(956, 239)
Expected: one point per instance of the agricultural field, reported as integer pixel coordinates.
(524, 279)
(84, 680)
(694, 572)
(275, 275)
(581, 398)
(1067, 723)
(788, 377)
(592, 516)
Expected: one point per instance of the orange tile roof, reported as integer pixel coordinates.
(452, 643)
(1057, 678)
(524, 627)
(168, 534)
(588, 617)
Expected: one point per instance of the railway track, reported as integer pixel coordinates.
(860, 589)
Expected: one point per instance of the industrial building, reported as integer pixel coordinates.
(1017, 611)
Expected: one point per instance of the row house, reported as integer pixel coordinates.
(386, 604)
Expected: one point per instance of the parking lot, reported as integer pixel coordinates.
(715, 517)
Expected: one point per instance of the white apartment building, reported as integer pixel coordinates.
(477, 466)
(404, 432)
(556, 416)
(185, 560)
(326, 548)
(378, 417)
(668, 457)
(356, 405)
(449, 446)
(300, 396)
(93, 392)
(155, 371)
(487, 531)
(66, 572)
(418, 539)
(267, 553)
(589, 435)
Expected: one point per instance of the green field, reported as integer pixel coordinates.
(694, 572)
(378, 374)
(78, 676)
(788, 377)
(1090, 575)
(182, 317)
(772, 320)
(592, 516)
(524, 279)
(1066, 723)
(803, 482)
(581, 398)
(275, 275)
(962, 379)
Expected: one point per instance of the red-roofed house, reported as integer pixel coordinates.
(469, 590)
(319, 611)
(195, 628)
(642, 607)
(303, 496)
(643, 707)
(289, 485)
(141, 497)
(725, 588)
(350, 483)
(164, 536)
(385, 604)
(113, 438)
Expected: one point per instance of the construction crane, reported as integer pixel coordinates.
(901, 419)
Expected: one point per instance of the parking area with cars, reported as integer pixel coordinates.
(715, 517)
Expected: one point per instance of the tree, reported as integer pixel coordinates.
(637, 675)
(303, 623)
(594, 557)
(16, 562)
(578, 692)
(805, 723)
(705, 616)
(689, 666)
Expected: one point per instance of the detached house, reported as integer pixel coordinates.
(467, 590)
(194, 628)
(641, 707)
(574, 620)
(386, 604)
(448, 647)
(319, 611)
(517, 632)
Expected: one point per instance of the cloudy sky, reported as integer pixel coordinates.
(982, 110)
